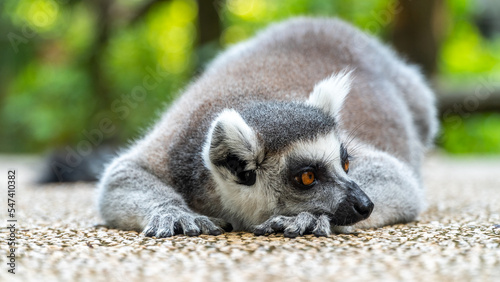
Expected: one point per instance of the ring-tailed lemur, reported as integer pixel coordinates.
(310, 127)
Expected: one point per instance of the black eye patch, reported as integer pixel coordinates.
(237, 166)
(247, 178)
(343, 152)
(344, 158)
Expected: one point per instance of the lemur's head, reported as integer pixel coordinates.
(283, 158)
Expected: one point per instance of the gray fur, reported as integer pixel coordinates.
(182, 177)
(273, 119)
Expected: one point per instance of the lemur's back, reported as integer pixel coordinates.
(284, 63)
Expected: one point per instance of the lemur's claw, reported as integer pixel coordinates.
(293, 226)
(174, 222)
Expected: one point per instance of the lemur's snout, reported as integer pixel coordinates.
(355, 207)
(364, 207)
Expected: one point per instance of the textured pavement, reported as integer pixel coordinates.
(456, 239)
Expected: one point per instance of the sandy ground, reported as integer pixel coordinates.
(456, 239)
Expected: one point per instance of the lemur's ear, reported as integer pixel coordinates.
(232, 146)
(329, 94)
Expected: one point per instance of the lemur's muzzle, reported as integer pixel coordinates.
(355, 207)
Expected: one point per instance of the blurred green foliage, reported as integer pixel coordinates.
(479, 133)
(48, 85)
(466, 54)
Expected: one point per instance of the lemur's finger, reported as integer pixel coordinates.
(322, 228)
(166, 227)
(215, 232)
(188, 225)
(207, 226)
(274, 224)
(226, 226)
(165, 232)
(302, 223)
(280, 222)
(152, 227)
(262, 229)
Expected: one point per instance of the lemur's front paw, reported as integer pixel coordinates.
(293, 226)
(176, 221)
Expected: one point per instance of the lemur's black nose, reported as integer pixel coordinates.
(355, 207)
(364, 207)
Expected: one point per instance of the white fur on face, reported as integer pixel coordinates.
(329, 94)
(248, 205)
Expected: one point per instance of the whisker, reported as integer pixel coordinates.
(351, 136)
(354, 131)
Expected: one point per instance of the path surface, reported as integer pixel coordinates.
(454, 240)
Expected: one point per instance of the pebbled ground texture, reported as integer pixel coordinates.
(456, 239)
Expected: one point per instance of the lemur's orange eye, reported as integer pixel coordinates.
(307, 178)
(344, 156)
(345, 165)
